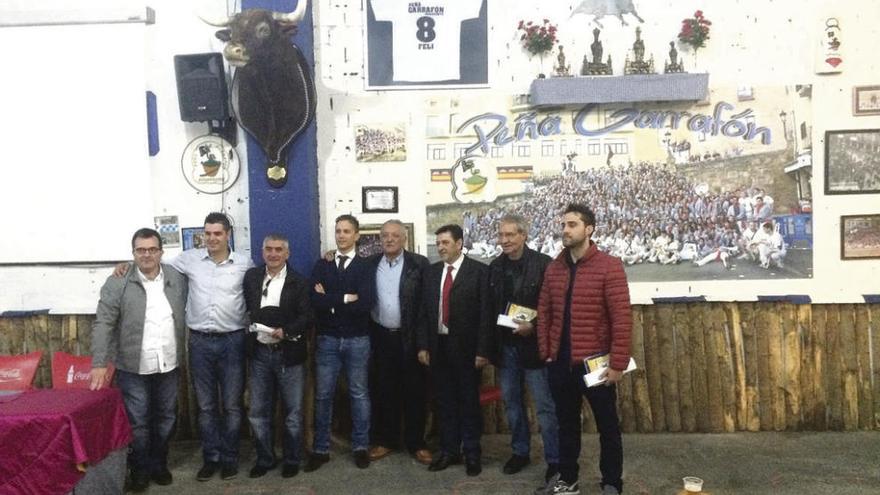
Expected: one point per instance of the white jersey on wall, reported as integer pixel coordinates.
(427, 36)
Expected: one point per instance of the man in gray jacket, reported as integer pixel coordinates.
(139, 326)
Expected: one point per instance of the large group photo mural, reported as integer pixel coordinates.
(713, 190)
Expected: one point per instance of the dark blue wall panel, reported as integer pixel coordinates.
(292, 210)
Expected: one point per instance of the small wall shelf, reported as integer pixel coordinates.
(619, 89)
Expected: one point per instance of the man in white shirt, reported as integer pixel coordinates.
(139, 326)
(277, 300)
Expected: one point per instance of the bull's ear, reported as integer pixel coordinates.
(288, 30)
(223, 35)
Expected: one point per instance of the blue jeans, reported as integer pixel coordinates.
(332, 354)
(151, 405)
(512, 376)
(268, 373)
(217, 360)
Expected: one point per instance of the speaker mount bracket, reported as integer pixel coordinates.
(227, 129)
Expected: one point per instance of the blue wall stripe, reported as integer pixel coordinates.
(152, 124)
(292, 210)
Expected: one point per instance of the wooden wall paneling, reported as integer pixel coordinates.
(668, 369)
(641, 398)
(682, 361)
(653, 364)
(792, 366)
(863, 347)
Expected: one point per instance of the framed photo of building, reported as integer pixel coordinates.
(370, 241)
(194, 238)
(411, 45)
(852, 161)
(859, 237)
(866, 100)
(379, 199)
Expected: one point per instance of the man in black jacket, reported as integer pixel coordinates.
(400, 381)
(277, 300)
(343, 295)
(456, 342)
(515, 277)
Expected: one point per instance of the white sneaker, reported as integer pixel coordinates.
(547, 489)
(562, 488)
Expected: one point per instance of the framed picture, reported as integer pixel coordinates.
(194, 238)
(380, 143)
(410, 45)
(379, 199)
(370, 242)
(866, 100)
(852, 161)
(859, 237)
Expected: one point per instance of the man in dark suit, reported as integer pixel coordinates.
(456, 341)
(277, 300)
(399, 381)
(342, 297)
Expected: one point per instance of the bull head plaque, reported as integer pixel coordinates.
(273, 93)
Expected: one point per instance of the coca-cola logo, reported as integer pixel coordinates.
(10, 374)
(80, 376)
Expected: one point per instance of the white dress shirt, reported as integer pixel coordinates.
(158, 347)
(456, 265)
(271, 297)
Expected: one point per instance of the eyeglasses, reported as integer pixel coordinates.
(143, 251)
(266, 287)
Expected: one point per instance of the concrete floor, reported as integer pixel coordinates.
(740, 463)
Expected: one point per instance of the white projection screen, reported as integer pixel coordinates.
(74, 174)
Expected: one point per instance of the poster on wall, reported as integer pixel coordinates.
(709, 191)
(436, 43)
(380, 143)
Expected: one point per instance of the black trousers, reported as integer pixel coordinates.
(568, 388)
(399, 391)
(457, 385)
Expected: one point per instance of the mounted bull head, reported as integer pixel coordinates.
(273, 90)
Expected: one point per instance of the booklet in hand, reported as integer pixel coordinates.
(597, 368)
(515, 314)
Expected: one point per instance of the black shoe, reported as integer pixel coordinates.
(259, 471)
(162, 476)
(515, 464)
(139, 481)
(443, 461)
(361, 459)
(552, 470)
(289, 470)
(229, 472)
(316, 461)
(473, 467)
(207, 471)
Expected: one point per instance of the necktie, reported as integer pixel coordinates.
(447, 291)
(341, 266)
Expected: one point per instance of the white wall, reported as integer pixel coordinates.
(177, 31)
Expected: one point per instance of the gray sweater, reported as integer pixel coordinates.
(118, 330)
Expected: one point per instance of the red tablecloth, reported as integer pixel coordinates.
(44, 434)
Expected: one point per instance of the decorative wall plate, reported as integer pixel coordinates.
(210, 164)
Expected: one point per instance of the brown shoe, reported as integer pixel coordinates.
(423, 456)
(379, 452)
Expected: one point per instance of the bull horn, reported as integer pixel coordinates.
(216, 21)
(293, 17)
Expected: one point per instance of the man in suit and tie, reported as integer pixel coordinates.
(342, 297)
(455, 342)
(399, 381)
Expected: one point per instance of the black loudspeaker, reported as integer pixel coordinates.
(201, 87)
